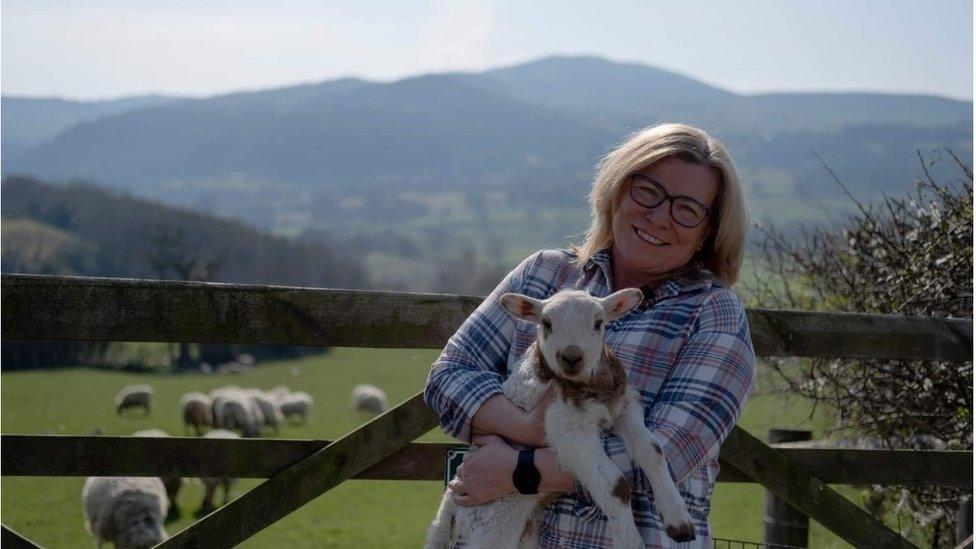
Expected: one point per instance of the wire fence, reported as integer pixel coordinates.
(720, 543)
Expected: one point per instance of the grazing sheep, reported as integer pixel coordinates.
(591, 395)
(210, 484)
(172, 484)
(126, 511)
(134, 396)
(369, 400)
(197, 412)
(235, 410)
(269, 407)
(298, 404)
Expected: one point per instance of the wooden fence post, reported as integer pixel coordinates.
(784, 525)
(964, 519)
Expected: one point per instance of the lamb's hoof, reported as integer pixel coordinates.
(681, 532)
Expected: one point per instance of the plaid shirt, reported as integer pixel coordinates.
(687, 351)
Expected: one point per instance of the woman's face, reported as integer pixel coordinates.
(647, 242)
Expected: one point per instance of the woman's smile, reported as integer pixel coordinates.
(649, 238)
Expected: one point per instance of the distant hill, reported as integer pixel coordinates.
(81, 229)
(27, 122)
(505, 154)
(596, 88)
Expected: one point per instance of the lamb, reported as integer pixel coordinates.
(367, 399)
(126, 511)
(591, 395)
(134, 396)
(298, 404)
(210, 484)
(234, 409)
(172, 484)
(269, 407)
(197, 412)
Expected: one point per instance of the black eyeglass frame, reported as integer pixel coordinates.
(709, 213)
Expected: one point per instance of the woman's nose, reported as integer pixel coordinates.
(659, 215)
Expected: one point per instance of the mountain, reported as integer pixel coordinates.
(595, 87)
(27, 122)
(425, 131)
(501, 156)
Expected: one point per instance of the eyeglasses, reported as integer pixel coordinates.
(685, 211)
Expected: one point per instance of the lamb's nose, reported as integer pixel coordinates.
(571, 357)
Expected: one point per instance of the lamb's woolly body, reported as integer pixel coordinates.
(210, 484)
(234, 409)
(592, 398)
(134, 396)
(197, 412)
(298, 404)
(369, 399)
(269, 407)
(127, 511)
(172, 484)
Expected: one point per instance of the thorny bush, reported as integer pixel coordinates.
(909, 255)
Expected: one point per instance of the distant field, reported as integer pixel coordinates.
(356, 514)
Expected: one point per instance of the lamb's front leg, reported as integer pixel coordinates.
(648, 455)
(579, 450)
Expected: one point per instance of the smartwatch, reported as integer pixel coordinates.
(526, 477)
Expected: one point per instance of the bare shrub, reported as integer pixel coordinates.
(910, 255)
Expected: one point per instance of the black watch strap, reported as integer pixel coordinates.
(526, 477)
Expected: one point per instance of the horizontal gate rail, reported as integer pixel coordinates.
(790, 482)
(59, 455)
(110, 309)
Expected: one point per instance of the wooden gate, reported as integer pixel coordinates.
(101, 309)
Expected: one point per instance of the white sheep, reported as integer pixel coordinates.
(210, 484)
(236, 410)
(591, 395)
(369, 400)
(197, 410)
(298, 404)
(134, 396)
(269, 407)
(172, 484)
(126, 511)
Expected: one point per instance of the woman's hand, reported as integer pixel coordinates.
(486, 472)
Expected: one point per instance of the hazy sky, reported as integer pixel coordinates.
(105, 49)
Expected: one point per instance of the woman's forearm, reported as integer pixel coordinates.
(498, 416)
(554, 477)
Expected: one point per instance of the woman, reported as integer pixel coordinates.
(669, 218)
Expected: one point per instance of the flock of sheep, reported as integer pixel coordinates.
(130, 511)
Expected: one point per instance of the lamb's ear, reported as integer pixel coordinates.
(521, 306)
(620, 303)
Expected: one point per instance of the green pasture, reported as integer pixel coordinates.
(357, 513)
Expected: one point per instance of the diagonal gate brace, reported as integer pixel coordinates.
(793, 484)
(309, 478)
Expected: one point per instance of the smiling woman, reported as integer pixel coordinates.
(668, 217)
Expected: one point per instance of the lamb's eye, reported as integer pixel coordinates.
(546, 326)
(598, 324)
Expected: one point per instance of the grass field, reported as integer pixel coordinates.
(357, 513)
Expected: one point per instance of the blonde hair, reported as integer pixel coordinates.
(722, 252)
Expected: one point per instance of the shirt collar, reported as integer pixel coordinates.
(693, 279)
